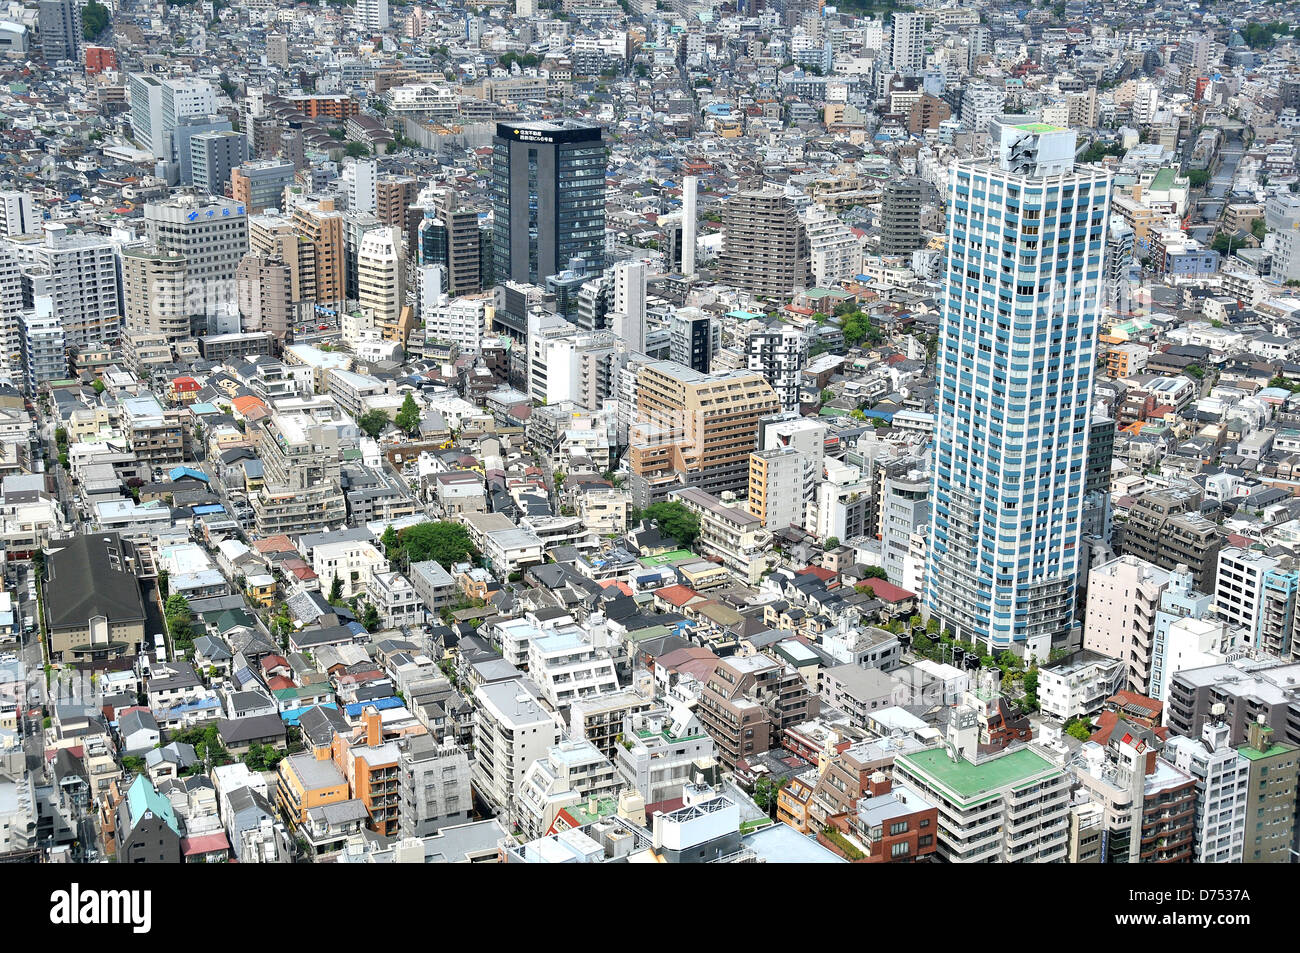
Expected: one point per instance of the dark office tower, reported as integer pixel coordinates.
(693, 338)
(486, 260)
(900, 217)
(765, 246)
(548, 194)
(673, 247)
(1096, 479)
(449, 236)
(60, 25)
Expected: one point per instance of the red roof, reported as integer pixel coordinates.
(615, 584)
(821, 572)
(204, 843)
(277, 682)
(887, 591)
(676, 596)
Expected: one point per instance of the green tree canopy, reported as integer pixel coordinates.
(373, 422)
(356, 150)
(94, 19)
(675, 520)
(443, 541)
(408, 418)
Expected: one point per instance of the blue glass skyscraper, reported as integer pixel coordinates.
(1017, 346)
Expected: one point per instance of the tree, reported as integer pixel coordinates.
(356, 150)
(1258, 228)
(830, 543)
(98, 386)
(675, 520)
(408, 418)
(1225, 242)
(179, 618)
(1078, 729)
(369, 619)
(766, 793)
(94, 19)
(878, 572)
(443, 541)
(336, 590)
(373, 423)
(391, 542)
(827, 395)
(262, 757)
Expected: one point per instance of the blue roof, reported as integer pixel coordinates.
(208, 508)
(178, 472)
(143, 797)
(204, 408)
(293, 714)
(379, 704)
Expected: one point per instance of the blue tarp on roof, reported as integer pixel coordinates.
(177, 472)
(379, 704)
(292, 716)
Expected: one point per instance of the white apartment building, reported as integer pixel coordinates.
(1123, 596)
(1222, 780)
(395, 599)
(661, 750)
(460, 321)
(835, 253)
(572, 773)
(353, 561)
(511, 731)
(1189, 643)
(79, 275)
(17, 213)
(516, 636)
(566, 668)
(1239, 589)
(380, 286)
(1011, 806)
(1077, 685)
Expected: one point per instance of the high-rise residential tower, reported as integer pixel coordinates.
(60, 30)
(900, 217)
(1017, 344)
(548, 193)
(765, 245)
(907, 44)
(690, 185)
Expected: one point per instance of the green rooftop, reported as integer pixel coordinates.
(1254, 754)
(1164, 180)
(1038, 127)
(654, 562)
(969, 781)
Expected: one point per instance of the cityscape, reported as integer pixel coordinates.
(649, 432)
